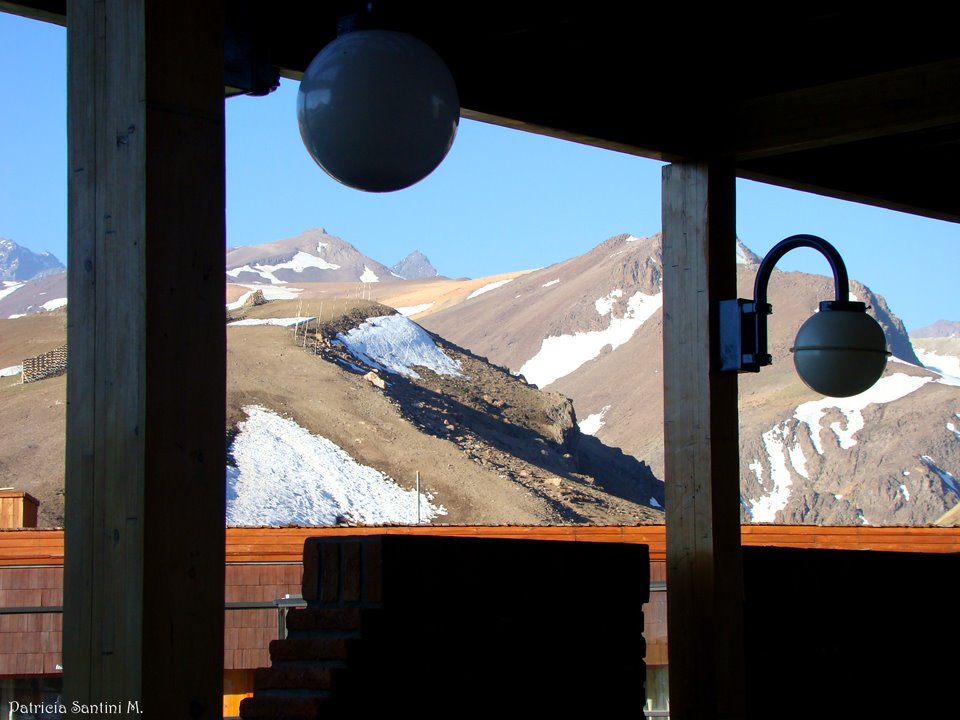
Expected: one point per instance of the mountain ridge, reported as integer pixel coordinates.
(600, 343)
(939, 329)
(19, 263)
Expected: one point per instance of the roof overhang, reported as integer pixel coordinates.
(836, 101)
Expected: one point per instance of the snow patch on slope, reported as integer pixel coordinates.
(953, 428)
(946, 365)
(8, 287)
(238, 303)
(11, 371)
(54, 304)
(887, 389)
(592, 423)
(409, 310)
(488, 287)
(798, 460)
(604, 305)
(396, 344)
(298, 263)
(281, 322)
(766, 507)
(560, 355)
(258, 270)
(368, 276)
(552, 282)
(275, 293)
(284, 474)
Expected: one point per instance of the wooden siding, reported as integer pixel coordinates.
(30, 644)
(18, 509)
(278, 545)
(247, 633)
(263, 564)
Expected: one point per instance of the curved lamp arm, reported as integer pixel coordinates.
(840, 280)
(840, 351)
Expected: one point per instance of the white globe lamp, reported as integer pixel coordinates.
(840, 351)
(378, 110)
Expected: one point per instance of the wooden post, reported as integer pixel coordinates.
(144, 545)
(704, 573)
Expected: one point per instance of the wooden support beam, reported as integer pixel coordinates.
(51, 11)
(704, 575)
(144, 528)
(892, 103)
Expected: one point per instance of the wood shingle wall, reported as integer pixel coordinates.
(264, 564)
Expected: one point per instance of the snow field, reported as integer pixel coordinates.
(779, 452)
(592, 423)
(284, 474)
(298, 263)
(7, 287)
(396, 344)
(282, 322)
(488, 287)
(408, 310)
(560, 355)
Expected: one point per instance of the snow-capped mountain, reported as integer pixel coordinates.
(312, 256)
(19, 264)
(415, 266)
(590, 328)
(42, 293)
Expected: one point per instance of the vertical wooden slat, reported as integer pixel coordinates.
(704, 575)
(144, 569)
(85, 39)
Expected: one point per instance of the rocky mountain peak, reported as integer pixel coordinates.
(746, 256)
(415, 266)
(939, 329)
(20, 263)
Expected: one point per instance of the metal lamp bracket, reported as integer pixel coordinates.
(743, 322)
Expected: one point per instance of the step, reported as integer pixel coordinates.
(315, 618)
(312, 648)
(329, 634)
(293, 693)
(277, 708)
(295, 676)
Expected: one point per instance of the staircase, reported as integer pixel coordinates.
(307, 665)
(310, 668)
(437, 625)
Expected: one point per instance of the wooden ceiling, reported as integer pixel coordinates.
(814, 95)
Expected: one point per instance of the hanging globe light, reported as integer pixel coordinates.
(378, 110)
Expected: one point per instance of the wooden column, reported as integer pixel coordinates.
(704, 574)
(144, 545)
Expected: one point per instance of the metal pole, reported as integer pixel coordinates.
(418, 497)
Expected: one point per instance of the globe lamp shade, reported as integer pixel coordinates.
(840, 352)
(378, 110)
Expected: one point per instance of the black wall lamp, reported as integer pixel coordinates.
(840, 351)
(378, 109)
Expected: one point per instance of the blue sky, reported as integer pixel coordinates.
(502, 200)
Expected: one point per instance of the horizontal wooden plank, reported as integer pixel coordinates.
(45, 547)
(849, 110)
